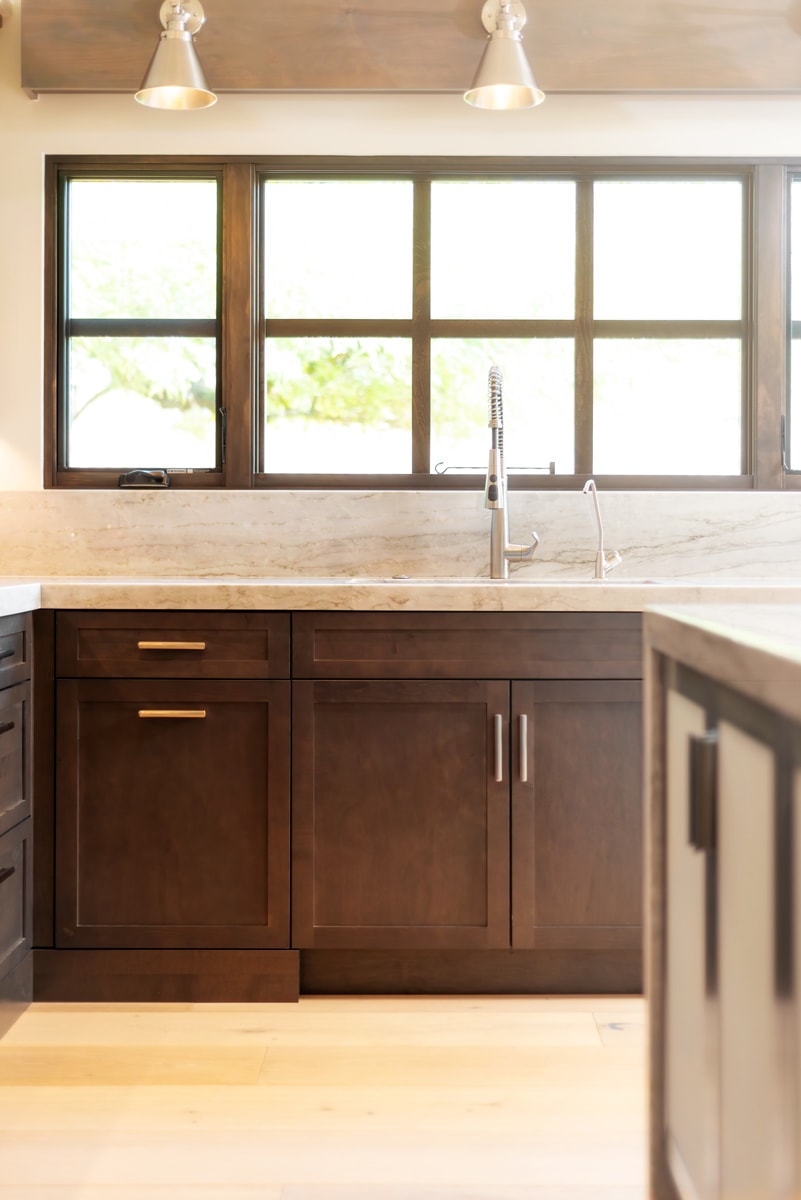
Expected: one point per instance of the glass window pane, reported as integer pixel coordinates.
(503, 249)
(143, 248)
(338, 405)
(668, 249)
(794, 423)
(142, 402)
(667, 407)
(537, 403)
(338, 248)
(795, 250)
(794, 398)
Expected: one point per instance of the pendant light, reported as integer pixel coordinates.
(504, 78)
(175, 79)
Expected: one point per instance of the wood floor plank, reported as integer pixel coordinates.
(473, 1109)
(121, 1191)
(416, 1157)
(308, 1027)
(422, 1067)
(458, 1192)
(84, 1066)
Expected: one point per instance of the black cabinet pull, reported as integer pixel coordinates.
(6, 727)
(6, 873)
(704, 790)
(7, 653)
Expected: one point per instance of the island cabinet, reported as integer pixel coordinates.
(171, 808)
(15, 817)
(467, 796)
(725, 940)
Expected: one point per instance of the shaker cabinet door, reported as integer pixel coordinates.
(172, 823)
(577, 815)
(400, 814)
(750, 1066)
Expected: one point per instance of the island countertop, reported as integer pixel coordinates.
(754, 648)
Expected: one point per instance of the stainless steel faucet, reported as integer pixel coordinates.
(603, 562)
(502, 551)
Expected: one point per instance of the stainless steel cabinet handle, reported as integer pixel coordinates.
(6, 727)
(171, 645)
(498, 748)
(7, 653)
(6, 873)
(523, 748)
(155, 714)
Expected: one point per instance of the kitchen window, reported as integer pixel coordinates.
(331, 323)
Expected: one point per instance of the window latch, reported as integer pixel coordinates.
(144, 479)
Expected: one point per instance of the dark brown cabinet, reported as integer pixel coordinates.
(468, 782)
(172, 837)
(15, 817)
(465, 804)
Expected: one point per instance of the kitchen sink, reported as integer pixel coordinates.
(482, 581)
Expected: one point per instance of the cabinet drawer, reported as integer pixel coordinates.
(467, 645)
(172, 645)
(15, 896)
(15, 759)
(15, 649)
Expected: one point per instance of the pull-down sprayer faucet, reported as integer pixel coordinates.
(502, 551)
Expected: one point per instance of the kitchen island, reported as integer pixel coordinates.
(723, 940)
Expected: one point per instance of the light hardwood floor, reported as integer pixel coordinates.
(389, 1098)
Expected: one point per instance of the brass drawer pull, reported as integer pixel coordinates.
(6, 727)
(196, 714)
(171, 645)
(6, 874)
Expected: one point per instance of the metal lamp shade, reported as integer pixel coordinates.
(504, 79)
(175, 77)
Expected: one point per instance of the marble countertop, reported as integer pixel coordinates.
(616, 594)
(753, 648)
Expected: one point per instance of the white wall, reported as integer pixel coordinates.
(306, 124)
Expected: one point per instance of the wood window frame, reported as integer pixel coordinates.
(764, 325)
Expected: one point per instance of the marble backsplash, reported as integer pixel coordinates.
(180, 534)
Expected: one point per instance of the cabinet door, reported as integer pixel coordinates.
(400, 814)
(750, 1050)
(691, 1099)
(15, 755)
(172, 830)
(577, 818)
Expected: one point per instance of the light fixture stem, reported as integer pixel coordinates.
(178, 17)
(506, 19)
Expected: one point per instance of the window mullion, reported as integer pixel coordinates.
(240, 331)
(421, 330)
(584, 329)
(769, 369)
